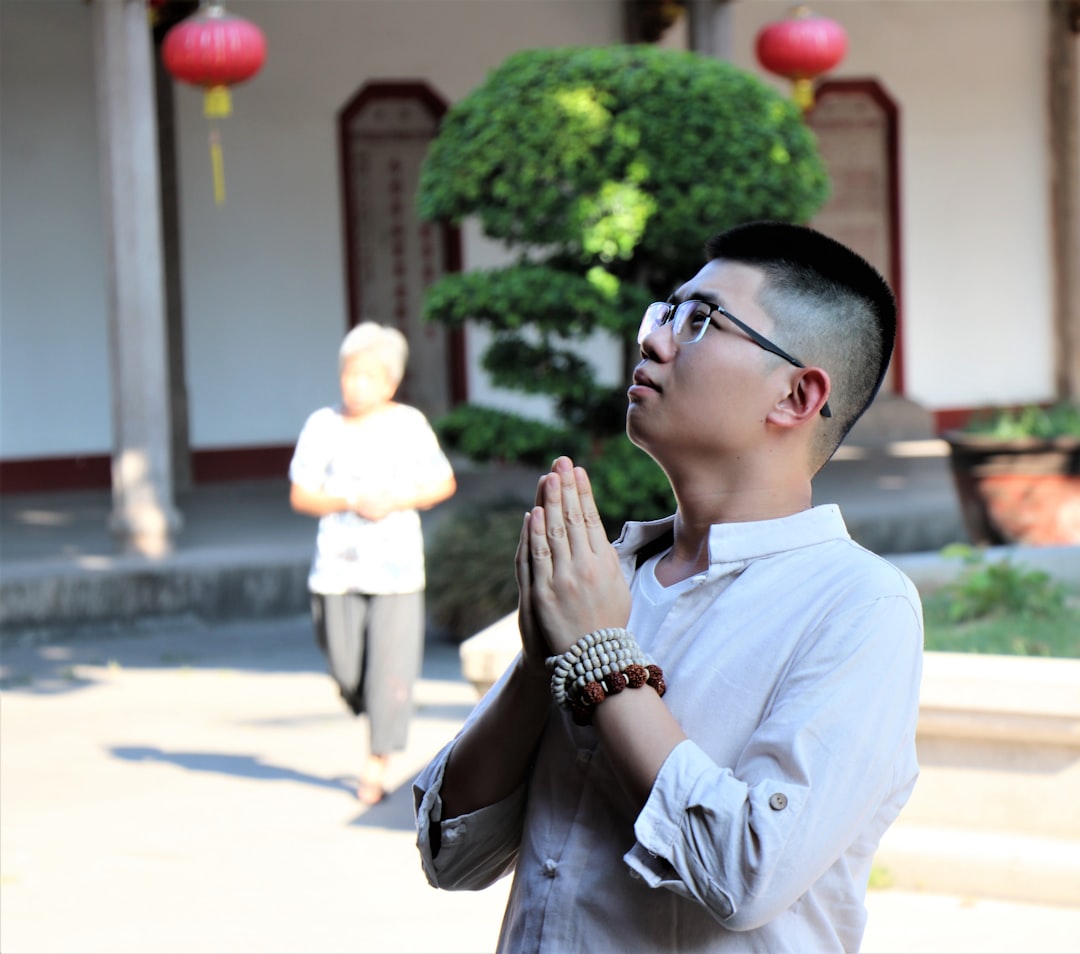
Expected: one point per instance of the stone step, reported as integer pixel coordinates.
(983, 864)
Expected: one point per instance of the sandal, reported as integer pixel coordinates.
(370, 793)
(370, 790)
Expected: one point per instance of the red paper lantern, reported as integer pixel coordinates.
(215, 50)
(801, 48)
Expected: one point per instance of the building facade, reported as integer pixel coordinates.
(963, 147)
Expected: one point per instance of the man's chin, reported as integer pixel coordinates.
(636, 433)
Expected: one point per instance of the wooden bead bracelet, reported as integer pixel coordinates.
(600, 664)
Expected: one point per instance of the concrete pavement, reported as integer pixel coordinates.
(186, 788)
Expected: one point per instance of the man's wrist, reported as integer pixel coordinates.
(535, 673)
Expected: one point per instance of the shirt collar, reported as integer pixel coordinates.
(738, 542)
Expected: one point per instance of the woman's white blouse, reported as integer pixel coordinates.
(393, 449)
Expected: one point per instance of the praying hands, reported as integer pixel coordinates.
(569, 579)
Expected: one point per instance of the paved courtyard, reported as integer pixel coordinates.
(187, 788)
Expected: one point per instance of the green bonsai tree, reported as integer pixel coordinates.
(604, 170)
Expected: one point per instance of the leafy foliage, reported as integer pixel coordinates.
(1031, 420)
(470, 567)
(999, 606)
(617, 155)
(604, 169)
(988, 587)
(487, 434)
(627, 483)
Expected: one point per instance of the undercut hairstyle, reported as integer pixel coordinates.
(387, 344)
(831, 309)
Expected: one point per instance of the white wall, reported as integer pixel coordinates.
(263, 275)
(263, 281)
(54, 361)
(968, 76)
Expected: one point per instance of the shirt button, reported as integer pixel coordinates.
(548, 868)
(584, 756)
(778, 801)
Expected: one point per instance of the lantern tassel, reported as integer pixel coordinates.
(803, 93)
(217, 164)
(217, 102)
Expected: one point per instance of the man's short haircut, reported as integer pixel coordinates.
(831, 309)
(387, 344)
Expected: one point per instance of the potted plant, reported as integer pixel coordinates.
(1017, 474)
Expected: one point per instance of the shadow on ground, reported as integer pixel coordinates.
(241, 766)
(70, 660)
(393, 813)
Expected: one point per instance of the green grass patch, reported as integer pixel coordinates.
(1002, 607)
(1008, 636)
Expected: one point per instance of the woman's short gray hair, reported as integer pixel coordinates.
(387, 344)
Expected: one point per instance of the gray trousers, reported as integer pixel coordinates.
(374, 647)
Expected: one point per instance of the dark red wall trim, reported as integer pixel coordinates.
(94, 472)
(951, 418)
(436, 106)
(459, 390)
(241, 463)
(55, 473)
(874, 89)
(222, 464)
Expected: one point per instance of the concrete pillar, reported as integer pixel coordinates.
(174, 300)
(709, 23)
(1064, 104)
(144, 518)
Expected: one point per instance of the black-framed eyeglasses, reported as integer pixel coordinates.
(691, 319)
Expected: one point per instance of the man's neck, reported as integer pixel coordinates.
(707, 502)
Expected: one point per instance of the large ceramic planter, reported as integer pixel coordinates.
(1024, 491)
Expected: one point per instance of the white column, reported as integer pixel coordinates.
(144, 517)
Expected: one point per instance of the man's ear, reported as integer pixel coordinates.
(810, 389)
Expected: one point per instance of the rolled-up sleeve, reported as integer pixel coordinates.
(683, 833)
(472, 851)
(822, 770)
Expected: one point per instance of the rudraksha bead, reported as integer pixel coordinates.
(593, 694)
(616, 683)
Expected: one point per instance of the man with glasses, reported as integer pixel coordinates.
(712, 721)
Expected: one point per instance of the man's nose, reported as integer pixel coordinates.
(659, 344)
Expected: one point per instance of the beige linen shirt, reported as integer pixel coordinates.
(793, 664)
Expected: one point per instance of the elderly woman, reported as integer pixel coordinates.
(364, 468)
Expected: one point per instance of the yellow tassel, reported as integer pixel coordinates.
(803, 94)
(217, 163)
(217, 102)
